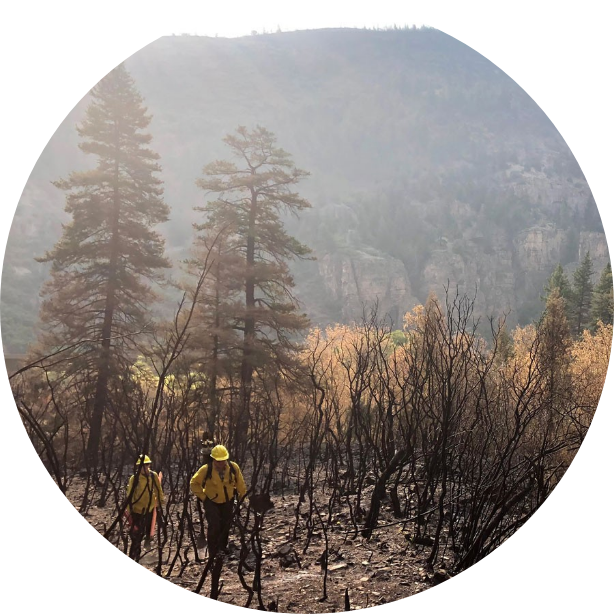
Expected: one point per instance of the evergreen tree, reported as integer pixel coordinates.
(554, 329)
(98, 296)
(557, 280)
(554, 359)
(504, 345)
(603, 299)
(251, 197)
(215, 341)
(580, 310)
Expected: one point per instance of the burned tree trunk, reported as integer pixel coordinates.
(380, 490)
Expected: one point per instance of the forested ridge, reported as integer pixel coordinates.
(426, 162)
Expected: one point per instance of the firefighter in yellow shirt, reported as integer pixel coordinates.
(216, 484)
(144, 495)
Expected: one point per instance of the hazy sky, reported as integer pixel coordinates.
(289, 15)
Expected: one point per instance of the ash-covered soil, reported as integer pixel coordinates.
(384, 568)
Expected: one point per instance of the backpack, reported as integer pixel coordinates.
(233, 478)
(207, 445)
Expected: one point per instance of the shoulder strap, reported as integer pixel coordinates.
(233, 471)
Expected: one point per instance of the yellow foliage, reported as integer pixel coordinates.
(591, 356)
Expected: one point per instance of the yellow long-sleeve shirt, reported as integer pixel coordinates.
(147, 493)
(216, 488)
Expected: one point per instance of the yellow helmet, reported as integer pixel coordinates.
(143, 459)
(219, 453)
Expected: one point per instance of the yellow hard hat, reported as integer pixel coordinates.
(219, 453)
(143, 459)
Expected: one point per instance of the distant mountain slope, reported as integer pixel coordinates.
(428, 165)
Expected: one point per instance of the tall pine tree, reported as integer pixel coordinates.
(581, 295)
(98, 297)
(215, 342)
(251, 196)
(603, 299)
(554, 343)
(557, 280)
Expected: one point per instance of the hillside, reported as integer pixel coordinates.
(428, 165)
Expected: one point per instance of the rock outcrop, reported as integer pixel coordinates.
(358, 279)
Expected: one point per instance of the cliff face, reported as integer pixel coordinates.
(538, 249)
(358, 280)
(487, 276)
(596, 245)
(505, 279)
(428, 166)
(550, 193)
